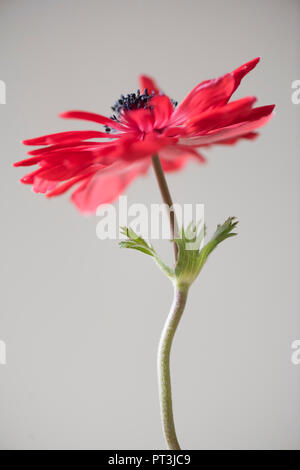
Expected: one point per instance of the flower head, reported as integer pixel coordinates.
(101, 164)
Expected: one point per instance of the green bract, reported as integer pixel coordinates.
(191, 257)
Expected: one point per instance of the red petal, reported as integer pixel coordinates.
(140, 120)
(174, 158)
(257, 118)
(162, 109)
(64, 187)
(147, 83)
(29, 178)
(106, 185)
(61, 172)
(221, 117)
(174, 132)
(249, 136)
(66, 137)
(132, 149)
(27, 162)
(93, 117)
(207, 95)
(68, 157)
(172, 165)
(40, 185)
(211, 93)
(241, 71)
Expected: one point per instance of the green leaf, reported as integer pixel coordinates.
(191, 261)
(136, 242)
(191, 258)
(222, 232)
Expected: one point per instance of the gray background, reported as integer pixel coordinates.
(80, 317)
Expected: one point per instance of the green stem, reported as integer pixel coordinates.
(165, 193)
(164, 379)
(164, 349)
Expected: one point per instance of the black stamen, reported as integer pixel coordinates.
(133, 101)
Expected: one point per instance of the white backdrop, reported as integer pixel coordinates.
(81, 318)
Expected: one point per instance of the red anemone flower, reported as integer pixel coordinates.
(144, 123)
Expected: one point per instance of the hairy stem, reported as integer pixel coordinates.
(164, 379)
(166, 196)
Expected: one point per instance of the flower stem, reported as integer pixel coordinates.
(164, 380)
(165, 193)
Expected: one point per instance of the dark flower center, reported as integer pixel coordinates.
(131, 102)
